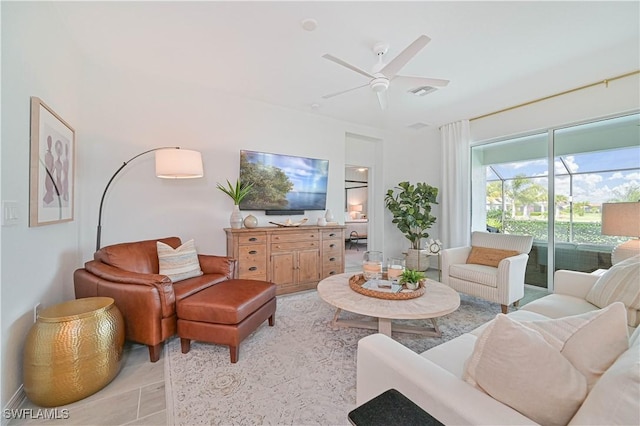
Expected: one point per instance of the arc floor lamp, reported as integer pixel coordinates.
(171, 163)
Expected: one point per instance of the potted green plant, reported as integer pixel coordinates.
(237, 193)
(411, 278)
(410, 206)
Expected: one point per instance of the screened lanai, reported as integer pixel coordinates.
(515, 190)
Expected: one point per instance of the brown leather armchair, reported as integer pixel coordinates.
(128, 273)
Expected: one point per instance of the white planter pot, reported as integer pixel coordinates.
(236, 218)
(418, 260)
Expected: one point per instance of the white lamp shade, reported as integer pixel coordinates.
(621, 219)
(178, 164)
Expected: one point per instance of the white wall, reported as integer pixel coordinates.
(37, 263)
(412, 156)
(595, 102)
(137, 113)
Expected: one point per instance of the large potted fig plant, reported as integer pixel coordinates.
(410, 206)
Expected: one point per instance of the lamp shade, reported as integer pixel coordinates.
(355, 208)
(178, 164)
(621, 219)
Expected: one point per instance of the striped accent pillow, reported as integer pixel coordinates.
(179, 264)
(621, 283)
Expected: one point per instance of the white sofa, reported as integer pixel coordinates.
(433, 379)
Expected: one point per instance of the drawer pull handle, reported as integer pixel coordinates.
(253, 252)
(332, 234)
(253, 239)
(332, 245)
(332, 259)
(253, 268)
(332, 273)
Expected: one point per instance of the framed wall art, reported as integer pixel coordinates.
(52, 167)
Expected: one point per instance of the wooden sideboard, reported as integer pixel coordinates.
(293, 258)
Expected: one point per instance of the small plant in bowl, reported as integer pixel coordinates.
(411, 278)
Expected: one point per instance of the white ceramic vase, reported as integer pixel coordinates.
(250, 221)
(328, 216)
(236, 217)
(418, 260)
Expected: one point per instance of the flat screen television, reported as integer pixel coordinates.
(283, 184)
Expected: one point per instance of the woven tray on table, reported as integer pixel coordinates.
(356, 282)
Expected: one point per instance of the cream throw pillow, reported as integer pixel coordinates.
(531, 365)
(614, 399)
(591, 342)
(180, 263)
(516, 366)
(621, 283)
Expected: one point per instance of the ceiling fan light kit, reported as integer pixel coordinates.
(381, 74)
(379, 84)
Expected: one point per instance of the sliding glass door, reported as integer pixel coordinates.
(518, 186)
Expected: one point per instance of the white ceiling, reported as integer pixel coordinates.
(496, 54)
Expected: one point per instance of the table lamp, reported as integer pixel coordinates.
(622, 220)
(355, 210)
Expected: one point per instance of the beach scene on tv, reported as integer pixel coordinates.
(283, 182)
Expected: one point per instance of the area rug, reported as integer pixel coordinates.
(299, 372)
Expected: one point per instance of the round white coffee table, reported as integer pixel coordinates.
(437, 301)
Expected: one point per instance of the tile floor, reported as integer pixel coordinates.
(135, 397)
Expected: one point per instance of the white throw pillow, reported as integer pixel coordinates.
(591, 341)
(621, 283)
(615, 399)
(180, 263)
(516, 366)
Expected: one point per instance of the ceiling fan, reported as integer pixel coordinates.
(383, 73)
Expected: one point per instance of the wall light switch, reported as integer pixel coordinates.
(10, 213)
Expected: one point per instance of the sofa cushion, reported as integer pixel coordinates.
(517, 366)
(559, 305)
(179, 263)
(518, 315)
(620, 283)
(489, 256)
(614, 398)
(452, 354)
(481, 274)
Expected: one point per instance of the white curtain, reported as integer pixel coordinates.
(456, 181)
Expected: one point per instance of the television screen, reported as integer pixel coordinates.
(283, 182)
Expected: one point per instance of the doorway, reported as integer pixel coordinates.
(356, 210)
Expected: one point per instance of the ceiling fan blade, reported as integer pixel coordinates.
(382, 99)
(392, 68)
(347, 65)
(421, 81)
(344, 91)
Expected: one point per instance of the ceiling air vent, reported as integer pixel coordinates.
(422, 90)
(418, 126)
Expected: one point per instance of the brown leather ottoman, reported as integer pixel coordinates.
(225, 313)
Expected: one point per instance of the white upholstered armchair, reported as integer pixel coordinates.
(492, 268)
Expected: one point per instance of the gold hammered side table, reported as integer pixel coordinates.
(73, 350)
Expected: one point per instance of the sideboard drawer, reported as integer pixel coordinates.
(332, 246)
(295, 236)
(333, 234)
(253, 270)
(298, 245)
(252, 238)
(252, 253)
